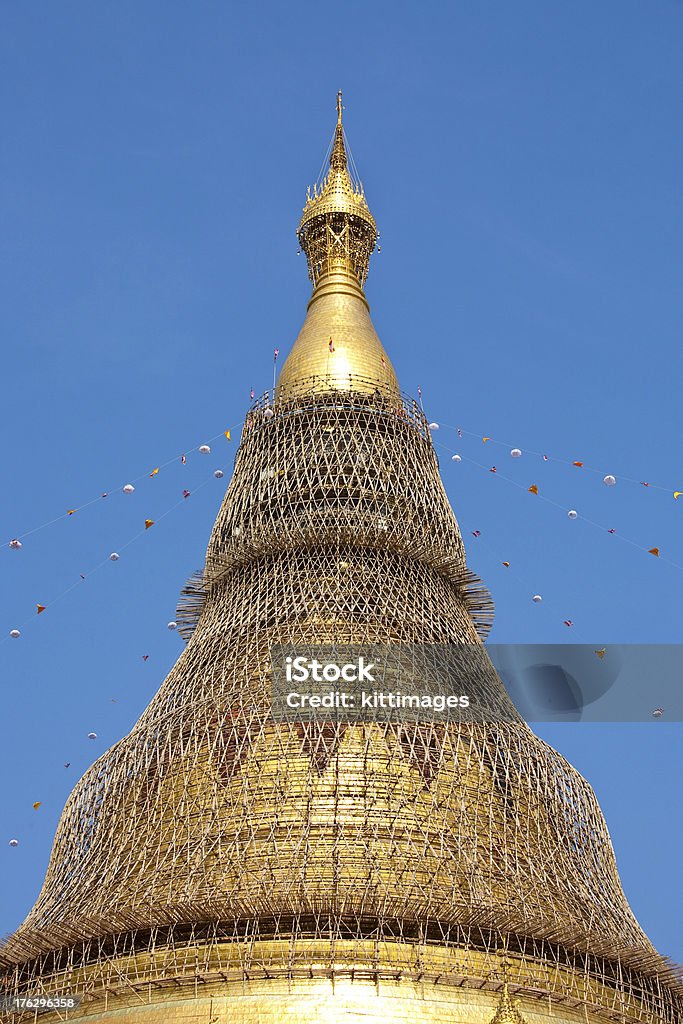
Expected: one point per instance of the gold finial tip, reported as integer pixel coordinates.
(339, 107)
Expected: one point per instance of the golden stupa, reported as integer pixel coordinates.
(216, 865)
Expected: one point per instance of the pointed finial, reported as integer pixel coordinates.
(338, 157)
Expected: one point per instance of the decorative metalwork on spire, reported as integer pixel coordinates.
(337, 231)
(507, 1012)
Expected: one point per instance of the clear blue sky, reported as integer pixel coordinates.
(523, 162)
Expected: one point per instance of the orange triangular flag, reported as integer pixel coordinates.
(577, 463)
(41, 608)
(70, 511)
(37, 805)
(485, 439)
(506, 564)
(677, 494)
(601, 652)
(654, 551)
(533, 489)
(154, 472)
(227, 434)
(148, 523)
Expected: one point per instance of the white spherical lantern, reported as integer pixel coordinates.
(218, 473)
(516, 453)
(268, 412)
(14, 633)
(205, 449)
(572, 514)
(128, 489)
(609, 480)
(172, 625)
(456, 458)
(92, 735)
(15, 544)
(114, 556)
(537, 598)
(14, 842)
(433, 426)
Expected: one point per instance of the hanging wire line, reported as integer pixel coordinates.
(565, 462)
(354, 169)
(90, 572)
(516, 575)
(114, 490)
(325, 164)
(556, 504)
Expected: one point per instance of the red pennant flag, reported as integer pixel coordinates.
(41, 608)
(579, 464)
(533, 489)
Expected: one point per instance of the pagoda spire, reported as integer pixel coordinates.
(337, 347)
(338, 159)
(507, 1012)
